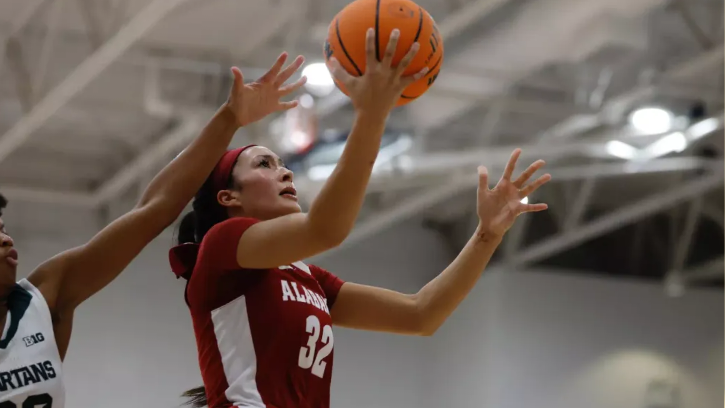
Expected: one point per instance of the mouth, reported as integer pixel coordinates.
(12, 257)
(289, 192)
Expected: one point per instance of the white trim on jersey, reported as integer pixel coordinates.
(234, 340)
(301, 265)
(36, 292)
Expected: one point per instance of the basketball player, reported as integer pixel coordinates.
(37, 312)
(262, 317)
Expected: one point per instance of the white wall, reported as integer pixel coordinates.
(543, 340)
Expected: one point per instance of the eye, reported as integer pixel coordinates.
(264, 163)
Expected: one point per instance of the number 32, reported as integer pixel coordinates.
(308, 359)
(33, 401)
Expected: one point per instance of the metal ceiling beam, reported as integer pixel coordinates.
(84, 74)
(616, 107)
(191, 120)
(712, 269)
(452, 186)
(620, 217)
(171, 143)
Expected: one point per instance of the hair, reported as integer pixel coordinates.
(206, 212)
(3, 204)
(196, 397)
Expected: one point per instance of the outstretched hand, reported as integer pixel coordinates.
(499, 207)
(253, 101)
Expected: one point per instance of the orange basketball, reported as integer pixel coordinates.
(346, 39)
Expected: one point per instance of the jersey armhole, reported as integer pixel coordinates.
(25, 284)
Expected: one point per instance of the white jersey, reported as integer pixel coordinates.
(30, 365)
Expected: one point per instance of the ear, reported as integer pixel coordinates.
(228, 198)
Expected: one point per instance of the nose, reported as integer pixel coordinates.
(6, 241)
(287, 175)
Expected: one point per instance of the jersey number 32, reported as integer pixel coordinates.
(33, 401)
(308, 357)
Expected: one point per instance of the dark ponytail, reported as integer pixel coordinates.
(205, 214)
(196, 397)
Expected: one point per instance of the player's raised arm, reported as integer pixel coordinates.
(369, 308)
(72, 276)
(332, 214)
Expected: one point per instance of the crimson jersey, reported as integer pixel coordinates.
(264, 337)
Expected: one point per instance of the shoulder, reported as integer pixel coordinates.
(47, 277)
(227, 229)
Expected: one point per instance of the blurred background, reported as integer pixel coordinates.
(611, 299)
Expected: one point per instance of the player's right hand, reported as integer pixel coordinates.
(380, 87)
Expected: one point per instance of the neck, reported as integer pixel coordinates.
(5, 290)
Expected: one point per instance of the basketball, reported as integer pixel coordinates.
(346, 40)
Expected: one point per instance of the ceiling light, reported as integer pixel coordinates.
(307, 101)
(703, 128)
(672, 143)
(319, 80)
(621, 150)
(525, 200)
(651, 120)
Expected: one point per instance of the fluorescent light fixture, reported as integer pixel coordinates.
(319, 80)
(672, 143)
(621, 150)
(651, 120)
(703, 128)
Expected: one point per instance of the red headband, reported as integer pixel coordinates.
(183, 257)
(223, 170)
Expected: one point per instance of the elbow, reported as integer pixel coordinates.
(328, 235)
(428, 330)
(426, 324)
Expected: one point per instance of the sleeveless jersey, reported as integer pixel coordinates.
(30, 365)
(264, 337)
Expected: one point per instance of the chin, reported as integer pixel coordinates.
(292, 209)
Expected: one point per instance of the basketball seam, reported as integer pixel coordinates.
(377, 30)
(344, 51)
(435, 66)
(420, 25)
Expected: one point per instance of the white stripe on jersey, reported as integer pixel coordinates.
(239, 359)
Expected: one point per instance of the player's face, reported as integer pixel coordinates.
(8, 256)
(267, 189)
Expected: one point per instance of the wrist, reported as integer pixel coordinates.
(484, 235)
(372, 114)
(226, 113)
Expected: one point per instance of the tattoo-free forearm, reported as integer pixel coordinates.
(336, 207)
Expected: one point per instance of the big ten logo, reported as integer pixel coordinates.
(33, 339)
(328, 50)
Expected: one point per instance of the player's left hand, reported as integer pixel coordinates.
(498, 207)
(253, 101)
